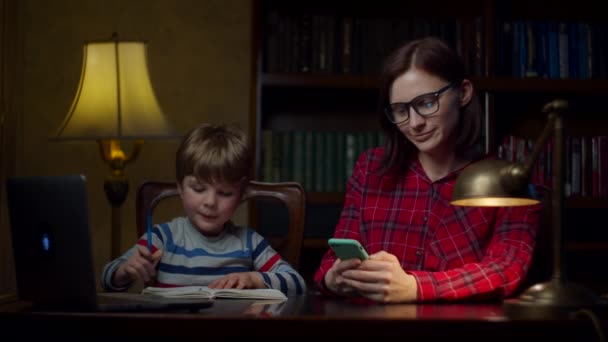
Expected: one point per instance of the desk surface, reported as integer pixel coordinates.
(310, 315)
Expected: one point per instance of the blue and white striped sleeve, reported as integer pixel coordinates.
(276, 272)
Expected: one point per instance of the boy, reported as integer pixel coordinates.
(205, 247)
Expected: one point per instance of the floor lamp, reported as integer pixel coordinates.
(115, 101)
(501, 183)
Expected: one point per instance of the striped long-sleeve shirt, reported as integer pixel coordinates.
(191, 258)
(453, 252)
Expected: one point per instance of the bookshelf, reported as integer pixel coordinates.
(317, 71)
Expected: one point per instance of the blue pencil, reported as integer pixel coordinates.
(149, 230)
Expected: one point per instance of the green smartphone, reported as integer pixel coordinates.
(348, 249)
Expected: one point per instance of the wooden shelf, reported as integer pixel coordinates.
(586, 202)
(320, 80)
(500, 84)
(538, 85)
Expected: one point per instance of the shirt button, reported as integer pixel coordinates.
(424, 218)
(418, 253)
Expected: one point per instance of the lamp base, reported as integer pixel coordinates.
(116, 191)
(556, 298)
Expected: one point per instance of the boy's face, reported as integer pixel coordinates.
(209, 206)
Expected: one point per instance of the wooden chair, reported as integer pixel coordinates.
(291, 194)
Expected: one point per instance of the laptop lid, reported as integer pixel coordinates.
(51, 242)
(52, 247)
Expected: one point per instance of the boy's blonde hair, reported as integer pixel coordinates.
(215, 153)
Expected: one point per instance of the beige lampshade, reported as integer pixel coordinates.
(115, 99)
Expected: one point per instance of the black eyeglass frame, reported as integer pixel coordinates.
(388, 109)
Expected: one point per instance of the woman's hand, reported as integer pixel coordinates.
(140, 266)
(382, 279)
(239, 280)
(334, 279)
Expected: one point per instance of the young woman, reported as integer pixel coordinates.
(398, 198)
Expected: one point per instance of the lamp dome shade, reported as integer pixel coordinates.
(493, 183)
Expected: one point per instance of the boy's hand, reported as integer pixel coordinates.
(240, 280)
(140, 266)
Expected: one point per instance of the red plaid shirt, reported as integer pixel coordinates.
(453, 252)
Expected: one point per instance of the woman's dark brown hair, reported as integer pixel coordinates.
(435, 57)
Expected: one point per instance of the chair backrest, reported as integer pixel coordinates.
(291, 194)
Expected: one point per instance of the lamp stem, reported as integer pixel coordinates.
(117, 186)
(557, 297)
(554, 110)
(116, 231)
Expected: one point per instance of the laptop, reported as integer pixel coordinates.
(52, 250)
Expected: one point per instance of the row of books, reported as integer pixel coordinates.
(586, 163)
(308, 42)
(321, 161)
(551, 49)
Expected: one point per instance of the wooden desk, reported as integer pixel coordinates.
(311, 316)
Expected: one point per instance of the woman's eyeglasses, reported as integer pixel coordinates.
(425, 105)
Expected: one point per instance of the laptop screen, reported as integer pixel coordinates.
(51, 241)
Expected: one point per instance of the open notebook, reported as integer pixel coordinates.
(205, 292)
(52, 250)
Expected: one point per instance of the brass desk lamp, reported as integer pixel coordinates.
(115, 101)
(501, 183)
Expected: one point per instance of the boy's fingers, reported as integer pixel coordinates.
(143, 251)
(135, 273)
(157, 255)
(150, 268)
(154, 258)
